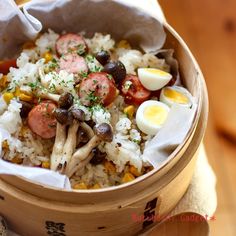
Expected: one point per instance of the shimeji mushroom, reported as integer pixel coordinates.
(103, 132)
(46, 95)
(65, 143)
(69, 146)
(58, 146)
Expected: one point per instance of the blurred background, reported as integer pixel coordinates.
(209, 29)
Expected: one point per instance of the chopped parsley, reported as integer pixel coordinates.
(109, 77)
(33, 86)
(83, 74)
(92, 98)
(136, 141)
(53, 64)
(49, 49)
(93, 64)
(90, 58)
(80, 49)
(97, 107)
(127, 85)
(95, 81)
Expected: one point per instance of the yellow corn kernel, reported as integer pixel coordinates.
(81, 185)
(3, 81)
(96, 186)
(47, 56)
(46, 164)
(127, 177)
(28, 45)
(8, 97)
(109, 167)
(129, 111)
(133, 170)
(25, 97)
(124, 44)
(22, 96)
(17, 92)
(117, 92)
(17, 160)
(5, 145)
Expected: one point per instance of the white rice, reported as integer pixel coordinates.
(10, 120)
(46, 42)
(59, 82)
(100, 42)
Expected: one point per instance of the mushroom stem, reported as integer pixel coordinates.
(81, 155)
(69, 146)
(84, 151)
(58, 146)
(79, 165)
(87, 129)
(50, 96)
(103, 132)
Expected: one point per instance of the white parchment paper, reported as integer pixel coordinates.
(133, 20)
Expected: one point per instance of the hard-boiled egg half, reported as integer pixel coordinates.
(176, 94)
(151, 116)
(153, 79)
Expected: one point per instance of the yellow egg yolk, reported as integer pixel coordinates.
(156, 115)
(176, 96)
(156, 72)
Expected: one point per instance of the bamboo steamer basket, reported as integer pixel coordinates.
(34, 209)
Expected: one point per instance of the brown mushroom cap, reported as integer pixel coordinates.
(66, 100)
(63, 116)
(104, 132)
(78, 114)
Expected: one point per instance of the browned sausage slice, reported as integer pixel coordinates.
(98, 87)
(42, 121)
(68, 43)
(73, 63)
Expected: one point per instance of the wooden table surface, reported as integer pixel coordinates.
(209, 28)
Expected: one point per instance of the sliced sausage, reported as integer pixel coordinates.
(42, 121)
(68, 43)
(73, 63)
(98, 87)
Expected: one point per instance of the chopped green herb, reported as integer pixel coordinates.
(83, 74)
(80, 49)
(95, 81)
(109, 77)
(136, 141)
(49, 49)
(33, 86)
(92, 98)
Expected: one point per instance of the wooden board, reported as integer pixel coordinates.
(208, 27)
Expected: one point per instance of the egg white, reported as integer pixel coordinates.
(179, 89)
(145, 125)
(153, 79)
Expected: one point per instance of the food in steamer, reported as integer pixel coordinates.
(84, 107)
